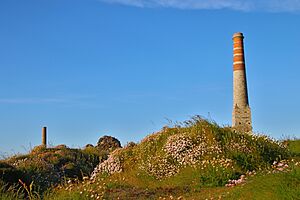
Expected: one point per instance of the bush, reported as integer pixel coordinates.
(10, 175)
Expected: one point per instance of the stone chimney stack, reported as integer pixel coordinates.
(241, 115)
(44, 136)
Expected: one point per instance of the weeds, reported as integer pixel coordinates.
(30, 193)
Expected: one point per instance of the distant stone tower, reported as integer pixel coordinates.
(44, 136)
(241, 115)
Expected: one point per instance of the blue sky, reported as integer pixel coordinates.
(88, 68)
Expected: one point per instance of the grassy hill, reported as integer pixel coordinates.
(45, 168)
(196, 160)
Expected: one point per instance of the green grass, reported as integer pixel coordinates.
(192, 161)
(146, 166)
(9, 192)
(294, 146)
(273, 186)
(278, 186)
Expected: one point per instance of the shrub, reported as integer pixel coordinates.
(10, 175)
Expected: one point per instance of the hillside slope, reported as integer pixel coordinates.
(196, 160)
(182, 161)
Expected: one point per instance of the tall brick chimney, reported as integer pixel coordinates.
(241, 115)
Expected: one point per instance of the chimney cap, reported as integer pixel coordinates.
(238, 34)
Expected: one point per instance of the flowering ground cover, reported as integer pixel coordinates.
(194, 160)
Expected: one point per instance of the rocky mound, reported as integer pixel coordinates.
(108, 143)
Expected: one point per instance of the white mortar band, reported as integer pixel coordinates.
(238, 54)
(238, 62)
